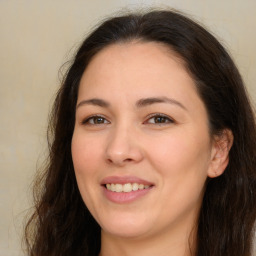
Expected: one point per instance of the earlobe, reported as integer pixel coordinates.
(222, 144)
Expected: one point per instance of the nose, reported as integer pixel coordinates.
(123, 147)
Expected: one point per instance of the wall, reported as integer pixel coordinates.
(36, 38)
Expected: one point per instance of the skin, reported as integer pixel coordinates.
(176, 155)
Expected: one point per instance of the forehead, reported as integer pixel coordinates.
(139, 66)
(136, 63)
(136, 53)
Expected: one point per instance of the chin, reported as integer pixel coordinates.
(126, 228)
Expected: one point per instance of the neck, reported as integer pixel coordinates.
(178, 243)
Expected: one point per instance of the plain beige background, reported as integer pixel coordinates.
(36, 38)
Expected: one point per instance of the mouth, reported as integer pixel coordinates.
(126, 188)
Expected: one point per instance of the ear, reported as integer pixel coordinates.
(221, 146)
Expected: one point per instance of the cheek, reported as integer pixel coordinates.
(86, 157)
(181, 155)
(85, 154)
(182, 162)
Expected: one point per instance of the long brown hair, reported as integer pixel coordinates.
(61, 223)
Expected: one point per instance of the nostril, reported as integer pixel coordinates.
(119, 161)
(109, 160)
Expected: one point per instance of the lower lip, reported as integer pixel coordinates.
(125, 197)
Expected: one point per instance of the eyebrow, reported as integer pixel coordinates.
(140, 103)
(95, 102)
(153, 100)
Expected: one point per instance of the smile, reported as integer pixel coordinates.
(127, 187)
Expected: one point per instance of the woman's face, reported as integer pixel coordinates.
(141, 147)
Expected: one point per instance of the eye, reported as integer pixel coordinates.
(95, 120)
(159, 119)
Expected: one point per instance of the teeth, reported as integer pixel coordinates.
(119, 188)
(128, 187)
(113, 187)
(141, 186)
(135, 186)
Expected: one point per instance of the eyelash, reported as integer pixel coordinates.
(167, 119)
(94, 117)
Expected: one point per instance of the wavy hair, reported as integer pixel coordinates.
(62, 225)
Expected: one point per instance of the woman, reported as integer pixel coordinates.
(152, 147)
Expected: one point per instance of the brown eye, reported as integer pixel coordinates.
(98, 120)
(159, 119)
(95, 120)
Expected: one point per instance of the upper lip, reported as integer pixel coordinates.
(124, 180)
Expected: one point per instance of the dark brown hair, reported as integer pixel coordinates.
(61, 223)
